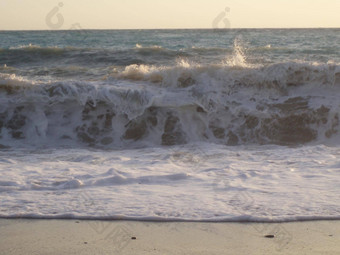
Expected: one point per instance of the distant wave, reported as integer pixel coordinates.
(153, 47)
(37, 55)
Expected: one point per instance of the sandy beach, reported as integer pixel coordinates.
(20, 236)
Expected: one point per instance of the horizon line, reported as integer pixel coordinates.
(222, 29)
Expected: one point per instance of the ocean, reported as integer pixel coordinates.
(186, 125)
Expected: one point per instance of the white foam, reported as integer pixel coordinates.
(194, 182)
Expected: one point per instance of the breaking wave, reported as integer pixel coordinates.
(285, 104)
(35, 54)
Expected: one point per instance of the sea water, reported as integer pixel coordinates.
(213, 125)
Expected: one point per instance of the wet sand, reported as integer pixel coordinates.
(21, 236)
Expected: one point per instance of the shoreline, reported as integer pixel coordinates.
(58, 236)
(171, 220)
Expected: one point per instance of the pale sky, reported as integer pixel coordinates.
(150, 14)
